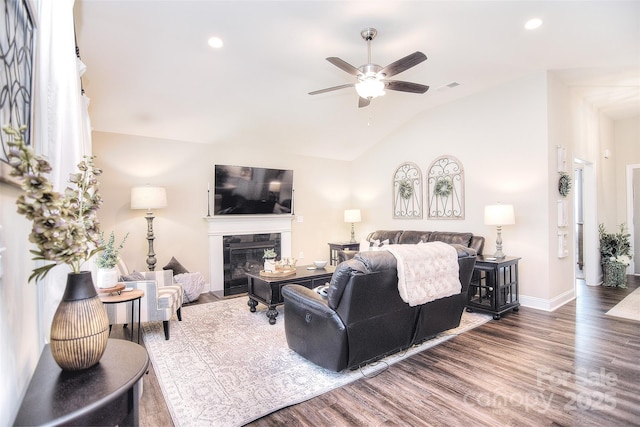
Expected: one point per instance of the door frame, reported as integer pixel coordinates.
(591, 254)
(630, 227)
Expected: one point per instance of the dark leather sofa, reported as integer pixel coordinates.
(363, 318)
(399, 237)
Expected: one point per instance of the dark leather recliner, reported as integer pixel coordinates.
(363, 318)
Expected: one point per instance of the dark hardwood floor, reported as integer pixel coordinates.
(572, 367)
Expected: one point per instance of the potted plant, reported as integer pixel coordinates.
(65, 230)
(107, 260)
(615, 253)
(269, 260)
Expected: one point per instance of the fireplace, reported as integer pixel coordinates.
(242, 254)
(220, 227)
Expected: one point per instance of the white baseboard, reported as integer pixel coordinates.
(548, 304)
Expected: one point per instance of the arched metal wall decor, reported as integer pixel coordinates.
(407, 192)
(445, 188)
(16, 55)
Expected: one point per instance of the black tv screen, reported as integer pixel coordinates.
(244, 190)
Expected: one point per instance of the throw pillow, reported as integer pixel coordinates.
(135, 276)
(377, 244)
(175, 266)
(364, 245)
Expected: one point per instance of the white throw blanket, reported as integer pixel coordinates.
(192, 283)
(426, 271)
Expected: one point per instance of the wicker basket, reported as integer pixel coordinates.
(614, 274)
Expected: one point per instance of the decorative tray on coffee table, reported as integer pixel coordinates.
(278, 273)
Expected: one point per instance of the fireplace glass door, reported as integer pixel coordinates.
(243, 254)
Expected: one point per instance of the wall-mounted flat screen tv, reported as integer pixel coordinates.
(245, 190)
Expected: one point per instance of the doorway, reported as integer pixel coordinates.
(586, 254)
(578, 210)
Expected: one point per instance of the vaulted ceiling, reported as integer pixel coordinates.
(150, 71)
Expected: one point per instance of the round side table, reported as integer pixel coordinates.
(125, 296)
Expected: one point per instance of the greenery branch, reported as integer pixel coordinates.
(65, 225)
(269, 254)
(108, 258)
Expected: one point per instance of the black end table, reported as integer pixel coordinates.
(494, 286)
(336, 247)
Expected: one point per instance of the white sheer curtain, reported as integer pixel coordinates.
(62, 129)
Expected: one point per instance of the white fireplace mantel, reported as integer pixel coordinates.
(227, 225)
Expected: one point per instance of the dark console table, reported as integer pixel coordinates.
(494, 286)
(105, 394)
(267, 289)
(336, 247)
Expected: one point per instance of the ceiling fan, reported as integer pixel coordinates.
(372, 78)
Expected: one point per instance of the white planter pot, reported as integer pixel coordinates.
(270, 265)
(107, 277)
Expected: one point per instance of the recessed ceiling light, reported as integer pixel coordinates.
(532, 24)
(215, 42)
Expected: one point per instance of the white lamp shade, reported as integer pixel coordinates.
(148, 197)
(274, 186)
(370, 88)
(352, 215)
(499, 215)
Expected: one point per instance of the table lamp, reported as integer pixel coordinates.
(352, 216)
(499, 215)
(149, 198)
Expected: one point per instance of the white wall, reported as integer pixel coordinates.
(500, 137)
(593, 133)
(561, 277)
(321, 195)
(19, 314)
(625, 151)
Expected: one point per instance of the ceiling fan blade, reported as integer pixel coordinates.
(329, 89)
(403, 64)
(405, 86)
(363, 102)
(345, 66)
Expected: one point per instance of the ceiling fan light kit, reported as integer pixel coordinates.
(372, 78)
(370, 87)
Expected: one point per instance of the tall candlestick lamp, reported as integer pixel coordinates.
(149, 198)
(499, 215)
(352, 216)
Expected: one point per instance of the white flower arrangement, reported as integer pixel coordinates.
(615, 247)
(622, 259)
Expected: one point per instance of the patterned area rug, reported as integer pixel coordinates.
(628, 308)
(226, 366)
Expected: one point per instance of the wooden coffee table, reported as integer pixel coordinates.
(267, 289)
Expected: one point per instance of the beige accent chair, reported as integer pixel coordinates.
(162, 298)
